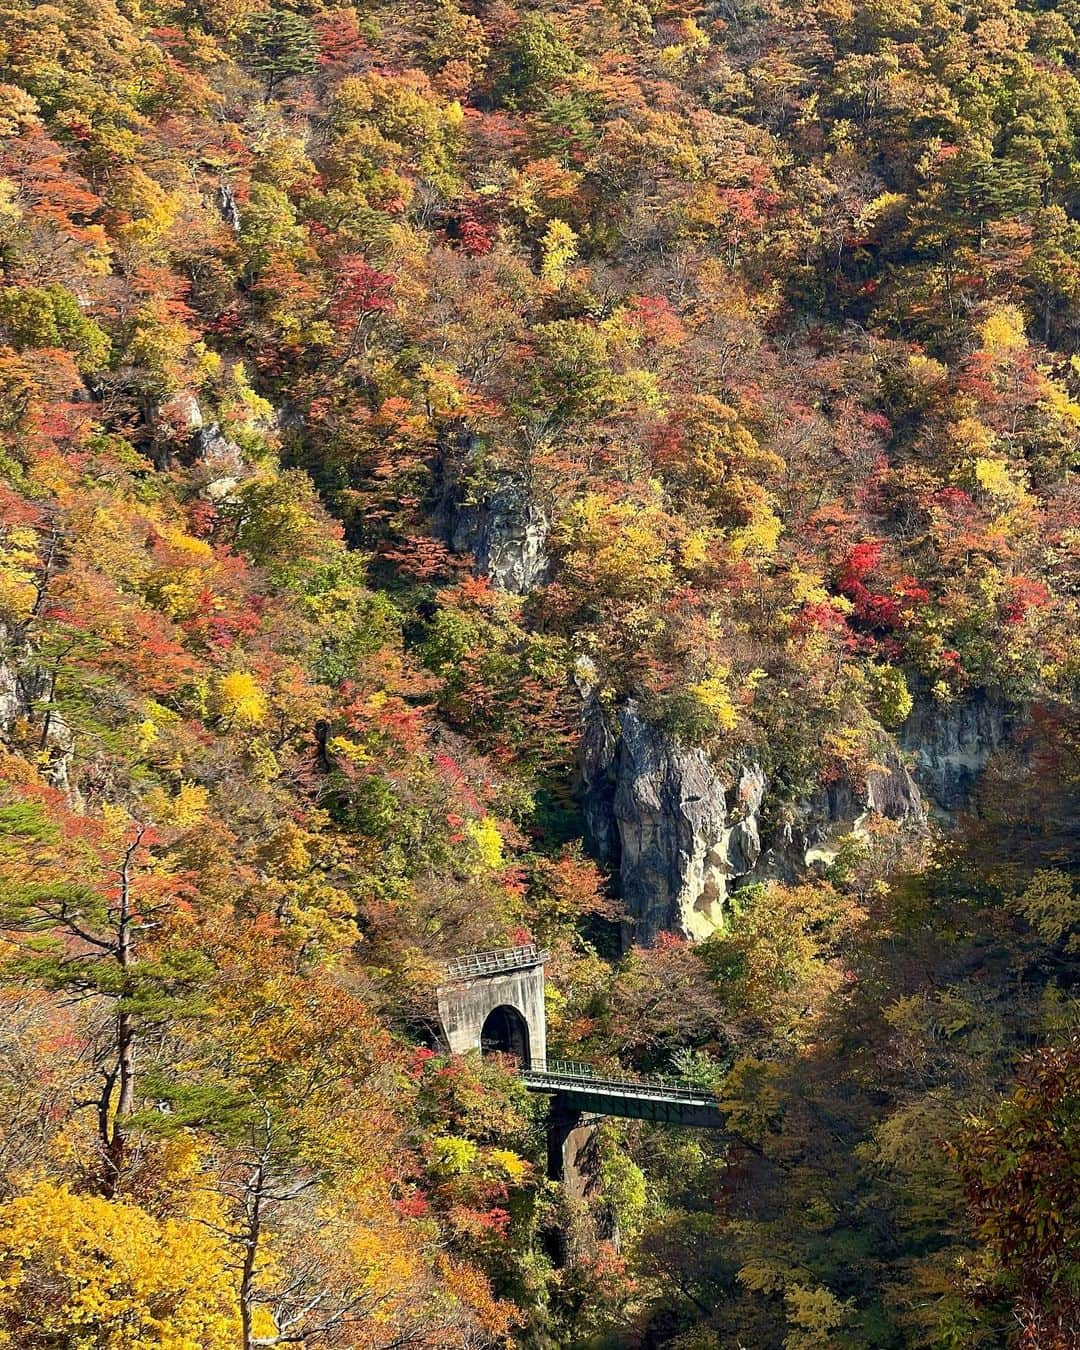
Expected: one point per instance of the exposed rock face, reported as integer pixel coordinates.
(180, 416)
(599, 762)
(507, 534)
(500, 521)
(226, 204)
(222, 459)
(12, 702)
(810, 835)
(951, 743)
(681, 837)
(21, 687)
(663, 815)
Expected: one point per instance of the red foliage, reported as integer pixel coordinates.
(1026, 595)
(340, 38)
(359, 290)
(476, 238)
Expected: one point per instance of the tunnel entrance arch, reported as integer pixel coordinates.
(505, 1032)
(494, 1001)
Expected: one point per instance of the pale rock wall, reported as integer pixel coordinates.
(951, 743)
(663, 815)
(506, 533)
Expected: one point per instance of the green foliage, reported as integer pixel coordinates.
(538, 57)
(279, 46)
(890, 697)
(33, 316)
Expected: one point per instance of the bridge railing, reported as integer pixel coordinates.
(571, 1071)
(491, 963)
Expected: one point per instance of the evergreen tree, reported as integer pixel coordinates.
(280, 45)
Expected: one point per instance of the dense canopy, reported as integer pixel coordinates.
(598, 474)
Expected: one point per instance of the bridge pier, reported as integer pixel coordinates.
(573, 1157)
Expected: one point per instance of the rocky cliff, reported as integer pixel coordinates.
(951, 743)
(25, 690)
(681, 833)
(499, 521)
(506, 532)
(662, 814)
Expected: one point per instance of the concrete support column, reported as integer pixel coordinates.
(573, 1157)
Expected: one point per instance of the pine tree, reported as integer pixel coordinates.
(280, 46)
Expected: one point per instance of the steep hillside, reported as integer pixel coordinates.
(600, 475)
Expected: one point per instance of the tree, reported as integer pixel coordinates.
(1020, 1167)
(86, 914)
(280, 46)
(81, 1271)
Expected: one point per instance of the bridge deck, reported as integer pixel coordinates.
(494, 963)
(580, 1088)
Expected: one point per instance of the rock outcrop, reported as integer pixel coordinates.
(680, 836)
(23, 687)
(495, 517)
(227, 205)
(808, 835)
(506, 532)
(662, 815)
(951, 743)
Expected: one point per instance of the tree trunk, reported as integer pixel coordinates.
(124, 1075)
(251, 1251)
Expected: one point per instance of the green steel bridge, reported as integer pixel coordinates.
(581, 1089)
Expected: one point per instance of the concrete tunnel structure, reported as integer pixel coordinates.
(494, 1001)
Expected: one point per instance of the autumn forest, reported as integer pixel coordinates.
(600, 475)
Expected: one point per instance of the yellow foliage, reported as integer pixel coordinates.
(241, 409)
(993, 476)
(189, 805)
(18, 557)
(198, 550)
(442, 388)
(487, 842)
(558, 250)
(1002, 331)
(20, 110)
(695, 550)
(348, 749)
(969, 436)
(160, 342)
(690, 51)
(886, 206)
(616, 548)
(760, 537)
(159, 716)
(151, 211)
(713, 695)
(814, 1315)
(807, 588)
(94, 1274)
(512, 1166)
(1060, 402)
(178, 585)
(925, 371)
(10, 211)
(453, 1156)
(238, 698)
(845, 745)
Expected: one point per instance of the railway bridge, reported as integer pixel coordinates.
(494, 1002)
